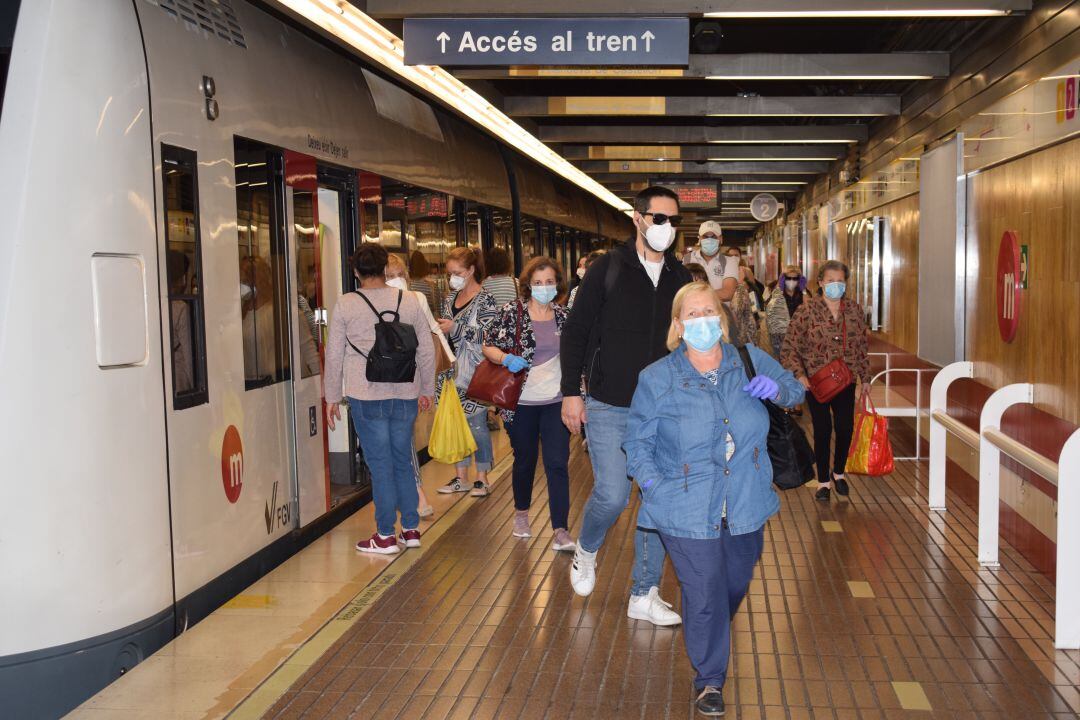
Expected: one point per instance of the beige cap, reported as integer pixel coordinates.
(710, 226)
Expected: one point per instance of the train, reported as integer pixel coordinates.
(183, 183)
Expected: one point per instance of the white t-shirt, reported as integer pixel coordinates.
(652, 268)
(719, 267)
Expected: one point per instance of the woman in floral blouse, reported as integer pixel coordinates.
(525, 336)
(466, 313)
(822, 330)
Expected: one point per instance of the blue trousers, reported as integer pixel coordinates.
(611, 492)
(541, 425)
(714, 575)
(484, 455)
(385, 429)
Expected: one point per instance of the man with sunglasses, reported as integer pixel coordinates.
(722, 271)
(618, 327)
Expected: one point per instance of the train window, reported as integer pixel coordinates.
(9, 13)
(183, 269)
(307, 279)
(263, 265)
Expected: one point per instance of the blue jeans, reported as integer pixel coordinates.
(484, 455)
(611, 493)
(715, 575)
(541, 425)
(385, 429)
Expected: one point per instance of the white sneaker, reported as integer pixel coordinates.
(652, 608)
(583, 572)
(562, 541)
(454, 486)
(480, 489)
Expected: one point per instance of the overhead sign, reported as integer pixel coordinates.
(604, 41)
(694, 194)
(764, 207)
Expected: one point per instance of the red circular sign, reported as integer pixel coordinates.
(1008, 286)
(232, 464)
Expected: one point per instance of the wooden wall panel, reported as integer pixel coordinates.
(902, 276)
(1038, 197)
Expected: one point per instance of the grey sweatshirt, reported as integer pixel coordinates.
(346, 368)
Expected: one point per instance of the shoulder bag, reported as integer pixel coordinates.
(789, 451)
(494, 384)
(827, 382)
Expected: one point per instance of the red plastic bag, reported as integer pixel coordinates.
(871, 452)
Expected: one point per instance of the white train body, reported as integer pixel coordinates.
(124, 522)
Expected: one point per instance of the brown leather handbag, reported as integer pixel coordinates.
(494, 384)
(827, 382)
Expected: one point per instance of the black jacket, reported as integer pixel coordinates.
(619, 324)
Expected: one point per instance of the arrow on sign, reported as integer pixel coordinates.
(648, 37)
(443, 38)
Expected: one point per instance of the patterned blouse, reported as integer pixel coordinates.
(500, 334)
(466, 338)
(814, 339)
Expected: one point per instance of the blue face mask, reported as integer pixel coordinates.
(710, 246)
(543, 294)
(702, 333)
(835, 290)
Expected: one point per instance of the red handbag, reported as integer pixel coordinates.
(827, 382)
(494, 384)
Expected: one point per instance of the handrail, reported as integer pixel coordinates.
(990, 467)
(962, 432)
(991, 442)
(915, 412)
(1037, 463)
(939, 406)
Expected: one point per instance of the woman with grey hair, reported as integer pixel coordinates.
(823, 330)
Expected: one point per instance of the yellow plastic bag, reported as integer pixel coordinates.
(451, 439)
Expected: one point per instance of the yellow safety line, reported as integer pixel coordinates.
(270, 690)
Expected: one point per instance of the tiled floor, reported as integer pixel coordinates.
(869, 608)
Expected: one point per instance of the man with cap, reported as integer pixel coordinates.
(723, 273)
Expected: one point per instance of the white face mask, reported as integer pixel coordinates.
(791, 284)
(457, 282)
(399, 283)
(660, 237)
(246, 291)
(581, 273)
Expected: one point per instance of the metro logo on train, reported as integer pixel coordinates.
(232, 464)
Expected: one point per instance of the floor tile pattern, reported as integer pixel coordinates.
(486, 626)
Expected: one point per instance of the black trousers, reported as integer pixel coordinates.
(541, 425)
(838, 414)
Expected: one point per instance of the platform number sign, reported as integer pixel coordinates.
(232, 464)
(1009, 284)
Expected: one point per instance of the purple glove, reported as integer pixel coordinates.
(762, 387)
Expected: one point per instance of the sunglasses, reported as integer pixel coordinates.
(661, 218)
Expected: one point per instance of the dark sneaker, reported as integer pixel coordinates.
(841, 486)
(480, 489)
(454, 486)
(710, 702)
(381, 544)
(823, 494)
(409, 538)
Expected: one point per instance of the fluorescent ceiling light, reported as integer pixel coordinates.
(796, 114)
(342, 20)
(927, 12)
(782, 142)
(750, 76)
(746, 159)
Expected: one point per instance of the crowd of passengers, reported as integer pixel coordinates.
(642, 356)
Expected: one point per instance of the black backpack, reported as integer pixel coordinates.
(789, 450)
(392, 358)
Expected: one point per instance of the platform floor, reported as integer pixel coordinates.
(869, 608)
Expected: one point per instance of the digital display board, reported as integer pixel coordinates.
(695, 194)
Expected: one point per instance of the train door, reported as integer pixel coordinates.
(338, 218)
(312, 473)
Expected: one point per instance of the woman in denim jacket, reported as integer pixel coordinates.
(696, 445)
